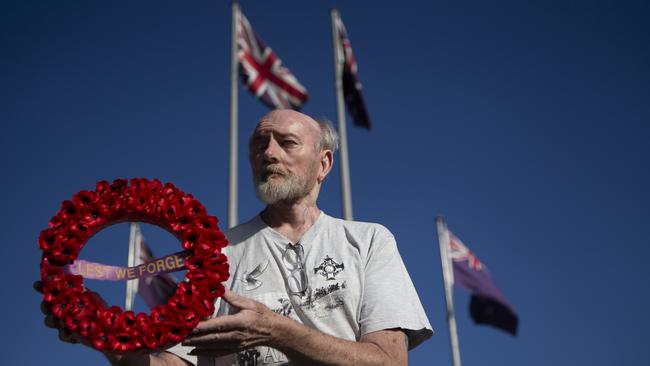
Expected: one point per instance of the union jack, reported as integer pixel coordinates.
(459, 252)
(262, 72)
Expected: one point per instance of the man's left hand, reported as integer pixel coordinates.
(257, 325)
(251, 326)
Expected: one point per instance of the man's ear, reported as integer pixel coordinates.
(326, 161)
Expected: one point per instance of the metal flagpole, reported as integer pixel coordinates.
(448, 279)
(346, 195)
(234, 63)
(131, 285)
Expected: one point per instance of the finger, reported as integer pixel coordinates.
(212, 352)
(38, 286)
(216, 340)
(220, 324)
(45, 309)
(50, 322)
(66, 336)
(235, 300)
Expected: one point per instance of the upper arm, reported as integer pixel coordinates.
(393, 343)
(380, 308)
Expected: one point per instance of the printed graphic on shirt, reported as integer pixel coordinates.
(329, 268)
(326, 290)
(322, 300)
(250, 278)
(248, 358)
(285, 307)
(261, 356)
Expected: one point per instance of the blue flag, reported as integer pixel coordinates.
(352, 90)
(488, 305)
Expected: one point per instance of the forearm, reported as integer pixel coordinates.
(309, 346)
(161, 359)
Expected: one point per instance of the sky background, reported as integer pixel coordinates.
(526, 124)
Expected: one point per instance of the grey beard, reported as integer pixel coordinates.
(292, 189)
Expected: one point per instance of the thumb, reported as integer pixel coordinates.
(38, 286)
(237, 301)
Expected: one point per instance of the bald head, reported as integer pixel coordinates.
(288, 114)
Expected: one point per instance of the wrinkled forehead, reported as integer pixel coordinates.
(287, 122)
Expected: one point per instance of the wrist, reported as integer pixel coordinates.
(282, 331)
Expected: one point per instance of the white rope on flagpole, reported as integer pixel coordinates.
(346, 195)
(234, 63)
(447, 275)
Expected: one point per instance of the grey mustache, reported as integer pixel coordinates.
(274, 169)
(268, 170)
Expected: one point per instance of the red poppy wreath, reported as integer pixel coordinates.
(113, 329)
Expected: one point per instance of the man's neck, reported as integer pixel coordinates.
(291, 220)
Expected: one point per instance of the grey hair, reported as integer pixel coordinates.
(329, 138)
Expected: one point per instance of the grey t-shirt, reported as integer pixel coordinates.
(344, 278)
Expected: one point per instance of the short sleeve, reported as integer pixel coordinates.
(389, 299)
(182, 352)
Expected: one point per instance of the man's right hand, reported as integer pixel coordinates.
(51, 322)
(116, 359)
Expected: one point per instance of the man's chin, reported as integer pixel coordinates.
(267, 198)
(271, 192)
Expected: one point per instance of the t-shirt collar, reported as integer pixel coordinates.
(282, 240)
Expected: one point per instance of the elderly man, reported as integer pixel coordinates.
(305, 288)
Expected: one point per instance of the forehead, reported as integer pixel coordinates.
(287, 122)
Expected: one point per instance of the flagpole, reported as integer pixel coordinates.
(137, 258)
(234, 63)
(131, 284)
(448, 280)
(346, 195)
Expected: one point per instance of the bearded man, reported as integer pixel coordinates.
(305, 288)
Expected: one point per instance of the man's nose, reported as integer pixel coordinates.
(272, 150)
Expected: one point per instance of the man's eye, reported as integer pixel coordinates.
(289, 143)
(259, 143)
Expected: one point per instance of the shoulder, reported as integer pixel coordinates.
(365, 235)
(361, 227)
(244, 233)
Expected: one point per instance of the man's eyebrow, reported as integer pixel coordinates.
(259, 133)
(290, 134)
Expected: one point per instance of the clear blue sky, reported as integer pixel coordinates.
(526, 124)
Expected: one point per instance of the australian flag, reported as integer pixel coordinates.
(488, 305)
(352, 89)
(262, 72)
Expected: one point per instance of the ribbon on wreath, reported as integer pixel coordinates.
(103, 272)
